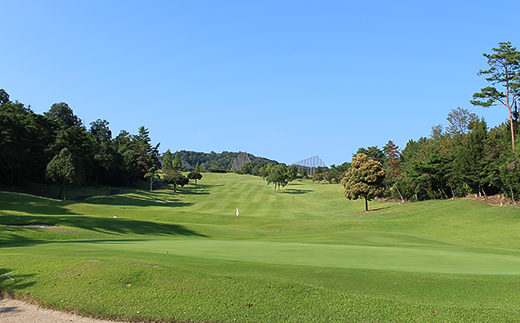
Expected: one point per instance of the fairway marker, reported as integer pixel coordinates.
(8, 276)
(237, 223)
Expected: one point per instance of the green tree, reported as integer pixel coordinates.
(195, 175)
(197, 168)
(100, 130)
(364, 179)
(62, 112)
(176, 164)
(4, 96)
(278, 176)
(267, 170)
(372, 152)
(167, 160)
(151, 175)
(175, 179)
(64, 170)
(104, 154)
(469, 159)
(504, 73)
(393, 168)
(256, 170)
(147, 155)
(292, 173)
(247, 168)
(24, 139)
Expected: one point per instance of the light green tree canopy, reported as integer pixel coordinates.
(278, 176)
(460, 120)
(177, 164)
(167, 160)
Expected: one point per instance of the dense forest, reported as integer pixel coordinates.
(56, 147)
(223, 160)
(465, 158)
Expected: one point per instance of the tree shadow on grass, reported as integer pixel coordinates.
(43, 206)
(374, 210)
(295, 191)
(38, 205)
(143, 200)
(200, 189)
(113, 226)
(9, 286)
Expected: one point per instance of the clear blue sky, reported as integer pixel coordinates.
(284, 80)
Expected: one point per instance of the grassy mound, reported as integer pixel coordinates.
(305, 253)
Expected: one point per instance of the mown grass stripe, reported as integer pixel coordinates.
(419, 260)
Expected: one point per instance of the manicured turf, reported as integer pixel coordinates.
(418, 260)
(304, 254)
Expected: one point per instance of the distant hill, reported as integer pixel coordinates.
(221, 160)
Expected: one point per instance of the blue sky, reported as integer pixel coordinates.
(285, 80)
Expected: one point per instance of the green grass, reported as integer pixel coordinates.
(304, 254)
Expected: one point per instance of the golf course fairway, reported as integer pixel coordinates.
(302, 254)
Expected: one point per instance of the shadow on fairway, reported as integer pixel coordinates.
(20, 282)
(294, 191)
(32, 205)
(142, 200)
(115, 226)
(200, 189)
(375, 210)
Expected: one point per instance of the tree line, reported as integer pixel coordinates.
(218, 161)
(466, 157)
(57, 146)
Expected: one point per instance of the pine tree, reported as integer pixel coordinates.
(504, 70)
(177, 164)
(167, 160)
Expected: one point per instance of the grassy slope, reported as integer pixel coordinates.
(304, 252)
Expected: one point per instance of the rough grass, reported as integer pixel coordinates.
(304, 254)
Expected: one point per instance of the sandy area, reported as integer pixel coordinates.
(15, 311)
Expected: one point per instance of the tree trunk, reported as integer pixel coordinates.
(61, 190)
(366, 204)
(512, 129)
(397, 188)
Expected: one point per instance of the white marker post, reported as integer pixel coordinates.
(237, 223)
